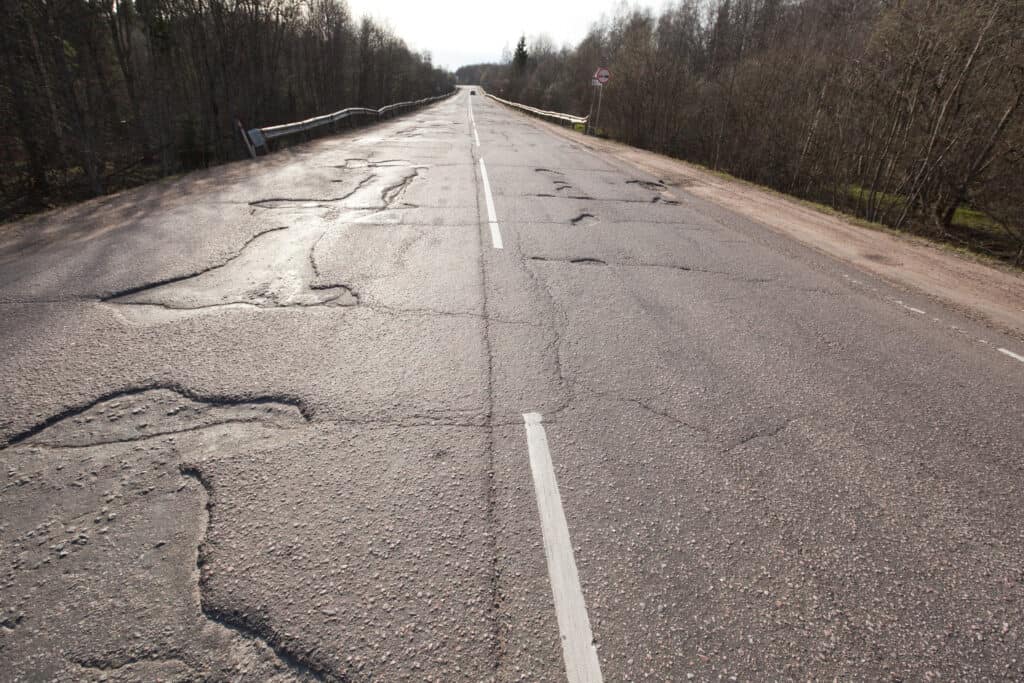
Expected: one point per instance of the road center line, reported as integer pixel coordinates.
(492, 217)
(1011, 354)
(472, 120)
(578, 650)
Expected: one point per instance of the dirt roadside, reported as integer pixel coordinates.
(984, 292)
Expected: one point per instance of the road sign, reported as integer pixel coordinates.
(600, 77)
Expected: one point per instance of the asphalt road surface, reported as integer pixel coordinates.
(453, 398)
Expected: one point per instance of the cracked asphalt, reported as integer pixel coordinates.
(265, 422)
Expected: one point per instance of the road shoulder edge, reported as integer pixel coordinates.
(981, 291)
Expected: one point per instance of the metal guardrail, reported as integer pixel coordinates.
(271, 132)
(258, 137)
(558, 116)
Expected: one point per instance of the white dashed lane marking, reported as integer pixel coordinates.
(492, 217)
(578, 650)
(938, 321)
(472, 120)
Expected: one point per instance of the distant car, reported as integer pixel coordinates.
(472, 92)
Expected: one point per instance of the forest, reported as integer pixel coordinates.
(906, 113)
(98, 95)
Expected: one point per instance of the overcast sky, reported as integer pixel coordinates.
(458, 32)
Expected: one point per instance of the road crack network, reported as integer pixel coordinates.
(275, 269)
(244, 624)
(113, 296)
(290, 202)
(203, 410)
(159, 410)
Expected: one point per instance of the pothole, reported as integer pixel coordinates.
(647, 184)
(144, 413)
(659, 186)
(548, 195)
(374, 190)
(359, 162)
(582, 261)
(274, 270)
(355, 195)
(584, 220)
(658, 199)
(121, 512)
(390, 193)
(563, 188)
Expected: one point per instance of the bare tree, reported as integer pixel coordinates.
(906, 112)
(108, 93)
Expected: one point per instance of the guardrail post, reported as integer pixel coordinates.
(257, 139)
(245, 139)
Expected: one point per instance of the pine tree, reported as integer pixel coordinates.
(520, 56)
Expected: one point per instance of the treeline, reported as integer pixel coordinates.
(96, 95)
(905, 112)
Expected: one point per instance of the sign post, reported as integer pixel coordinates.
(601, 76)
(590, 112)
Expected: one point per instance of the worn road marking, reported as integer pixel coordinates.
(909, 308)
(1011, 354)
(472, 120)
(581, 664)
(492, 217)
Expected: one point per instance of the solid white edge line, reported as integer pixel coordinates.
(492, 217)
(578, 650)
(909, 308)
(475, 136)
(1011, 354)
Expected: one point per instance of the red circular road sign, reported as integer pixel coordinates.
(602, 75)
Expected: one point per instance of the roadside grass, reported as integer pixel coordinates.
(971, 231)
(964, 216)
(975, 220)
(992, 250)
(860, 195)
